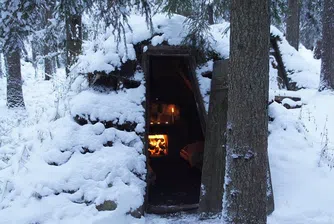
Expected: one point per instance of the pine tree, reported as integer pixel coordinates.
(15, 24)
(112, 13)
(292, 23)
(327, 62)
(278, 10)
(247, 128)
(50, 41)
(310, 22)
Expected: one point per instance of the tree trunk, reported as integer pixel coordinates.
(14, 81)
(213, 171)
(292, 23)
(317, 49)
(327, 56)
(1, 72)
(245, 198)
(48, 48)
(73, 39)
(210, 14)
(48, 64)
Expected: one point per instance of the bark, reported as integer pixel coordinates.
(327, 56)
(317, 50)
(49, 62)
(1, 72)
(14, 80)
(210, 14)
(213, 170)
(73, 39)
(245, 198)
(292, 23)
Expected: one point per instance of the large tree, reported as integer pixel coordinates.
(327, 62)
(247, 128)
(292, 23)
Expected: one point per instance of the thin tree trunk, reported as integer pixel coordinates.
(317, 49)
(48, 65)
(34, 53)
(327, 56)
(210, 14)
(14, 80)
(292, 23)
(245, 199)
(48, 47)
(213, 171)
(73, 39)
(1, 72)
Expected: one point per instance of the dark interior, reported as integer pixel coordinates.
(176, 183)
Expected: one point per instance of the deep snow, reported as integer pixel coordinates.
(302, 179)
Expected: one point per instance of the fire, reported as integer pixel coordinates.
(158, 145)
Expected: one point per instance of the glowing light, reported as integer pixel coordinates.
(158, 145)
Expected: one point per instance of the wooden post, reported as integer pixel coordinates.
(213, 171)
(197, 94)
(270, 192)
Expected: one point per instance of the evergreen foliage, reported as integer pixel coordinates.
(310, 22)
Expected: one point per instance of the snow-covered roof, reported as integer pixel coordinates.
(104, 54)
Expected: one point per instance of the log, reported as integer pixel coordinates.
(281, 68)
(165, 209)
(213, 171)
(279, 99)
(289, 102)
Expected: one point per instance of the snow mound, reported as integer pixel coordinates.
(104, 54)
(70, 173)
(301, 69)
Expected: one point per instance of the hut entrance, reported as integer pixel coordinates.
(175, 136)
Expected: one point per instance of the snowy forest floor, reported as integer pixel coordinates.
(301, 148)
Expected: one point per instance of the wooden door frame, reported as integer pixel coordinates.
(169, 51)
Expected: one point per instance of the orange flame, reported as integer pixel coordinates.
(158, 145)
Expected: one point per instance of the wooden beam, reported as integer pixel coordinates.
(279, 99)
(197, 93)
(282, 74)
(213, 171)
(270, 191)
(165, 209)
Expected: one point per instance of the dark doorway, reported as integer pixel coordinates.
(174, 126)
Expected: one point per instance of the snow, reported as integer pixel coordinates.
(104, 54)
(300, 66)
(52, 170)
(56, 171)
(204, 82)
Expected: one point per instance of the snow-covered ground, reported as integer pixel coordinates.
(301, 152)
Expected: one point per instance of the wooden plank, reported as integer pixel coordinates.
(165, 50)
(213, 171)
(270, 191)
(281, 68)
(197, 94)
(146, 68)
(165, 209)
(279, 99)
